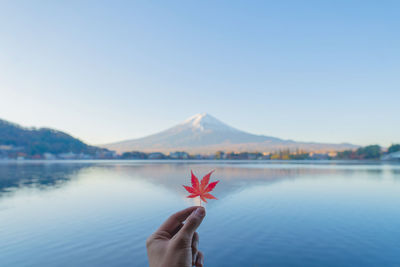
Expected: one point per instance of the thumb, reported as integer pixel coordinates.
(192, 223)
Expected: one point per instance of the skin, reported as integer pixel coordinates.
(176, 242)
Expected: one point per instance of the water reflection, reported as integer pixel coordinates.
(234, 175)
(14, 176)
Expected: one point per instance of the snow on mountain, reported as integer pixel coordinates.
(204, 133)
(204, 122)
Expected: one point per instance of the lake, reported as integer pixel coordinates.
(268, 213)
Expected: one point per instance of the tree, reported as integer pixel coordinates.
(346, 154)
(219, 155)
(369, 152)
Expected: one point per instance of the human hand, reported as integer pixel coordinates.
(175, 244)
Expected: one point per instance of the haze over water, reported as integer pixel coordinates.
(270, 213)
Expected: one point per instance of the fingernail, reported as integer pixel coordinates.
(200, 212)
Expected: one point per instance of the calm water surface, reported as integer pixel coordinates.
(268, 213)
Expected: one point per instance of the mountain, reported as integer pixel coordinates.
(203, 133)
(15, 139)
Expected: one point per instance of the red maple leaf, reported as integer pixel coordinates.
(201, 189)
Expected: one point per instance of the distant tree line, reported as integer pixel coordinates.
(220, 155)
(371, 152)
(367, 152)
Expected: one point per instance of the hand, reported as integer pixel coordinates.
(175, 244)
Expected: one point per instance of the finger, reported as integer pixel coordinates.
(175, 220)
(200, 259)
(176, 229)
(195, 246)
(191, 224)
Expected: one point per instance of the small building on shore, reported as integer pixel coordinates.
(392, 156)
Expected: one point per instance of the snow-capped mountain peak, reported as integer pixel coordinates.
(204, 121)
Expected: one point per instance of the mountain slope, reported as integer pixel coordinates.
(203, 133)
(36, 141)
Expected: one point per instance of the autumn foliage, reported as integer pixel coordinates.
(201, 189)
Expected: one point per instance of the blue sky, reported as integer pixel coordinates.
(103, 71)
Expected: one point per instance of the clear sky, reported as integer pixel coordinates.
(103, 71)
